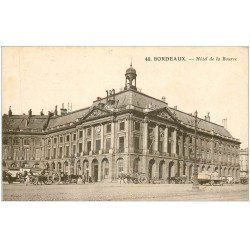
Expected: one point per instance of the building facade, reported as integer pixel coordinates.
(127, 131)
(244, 163)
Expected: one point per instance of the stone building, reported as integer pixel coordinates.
(244, 163)
(126, 131)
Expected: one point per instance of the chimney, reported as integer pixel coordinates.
(207, 117)
(175, 107)
(224, 123)
(41, 113)
(10, 111)
(163, 99)
(30, 112)
(56, 112)
(63, 110)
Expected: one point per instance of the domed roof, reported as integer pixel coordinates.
(131, 70)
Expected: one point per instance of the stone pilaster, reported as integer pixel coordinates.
(165, 143)
(145, 137)
(156, 142)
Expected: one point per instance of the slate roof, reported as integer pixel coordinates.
(122, 98)
(19, 123)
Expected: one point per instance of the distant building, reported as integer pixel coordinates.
(244, 163)
(127, 131)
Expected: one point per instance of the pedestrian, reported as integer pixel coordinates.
(27, 179)
(83, 178)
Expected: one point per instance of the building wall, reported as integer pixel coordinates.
(128, 142)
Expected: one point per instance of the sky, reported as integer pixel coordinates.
(42, 77)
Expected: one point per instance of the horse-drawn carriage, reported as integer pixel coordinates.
(133, 177)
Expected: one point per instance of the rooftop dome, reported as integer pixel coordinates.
(130, 70)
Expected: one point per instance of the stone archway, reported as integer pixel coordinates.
(53, 166)
(184, 171)
(65, 167)
(161, 169)
(170, 171)
(209, 170)
(78, 168)
(190, 172)
(85, 169)
(203, 168)
(105, 170)
(95, 170)
(136, 165)
(119, 166)
(59, 166)
(151, 169)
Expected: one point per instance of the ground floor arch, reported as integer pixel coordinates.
(95, 170)
(105, 169)
(136, 165)
(162, 166)
(151, 168)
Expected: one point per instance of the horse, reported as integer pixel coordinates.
(230, 180)
(124, 177)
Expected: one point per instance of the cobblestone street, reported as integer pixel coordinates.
(123, 192)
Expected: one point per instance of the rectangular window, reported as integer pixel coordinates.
(108, 143)
(60, 152)
(136, 143)
(67, 138)
(61, 139)
(122, 126)
(137, 126)
(89, 132)
(5, 141)
(54, 153)
(67, 151)
(15, 142)
(80, 134)
(26, 142)
(97, 145)
(54, 140)
(108, 128)
(150, 143)
(74, 149)
(37, 153)
(48, 153)
(121, 144)
(74, 137)
(160, 146)
(80, 147)
(88, 146)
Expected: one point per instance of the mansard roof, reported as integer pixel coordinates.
(138, 100)
(34, 123)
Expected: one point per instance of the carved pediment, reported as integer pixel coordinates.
(95, 113)
(164, 113)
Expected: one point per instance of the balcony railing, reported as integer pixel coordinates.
(120, 150)
(106, 151)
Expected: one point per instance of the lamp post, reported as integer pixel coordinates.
(195, 174)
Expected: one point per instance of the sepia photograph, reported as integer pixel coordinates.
(125, 124)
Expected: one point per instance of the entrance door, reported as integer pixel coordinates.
(96, 173)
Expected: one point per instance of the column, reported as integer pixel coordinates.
(145, 137)
(92, 139)
(165, 144)
(112, 136)
(84, 140)
(174, 141)
(127, 138)
(102, 138)
(181, 149)
(156, 143)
